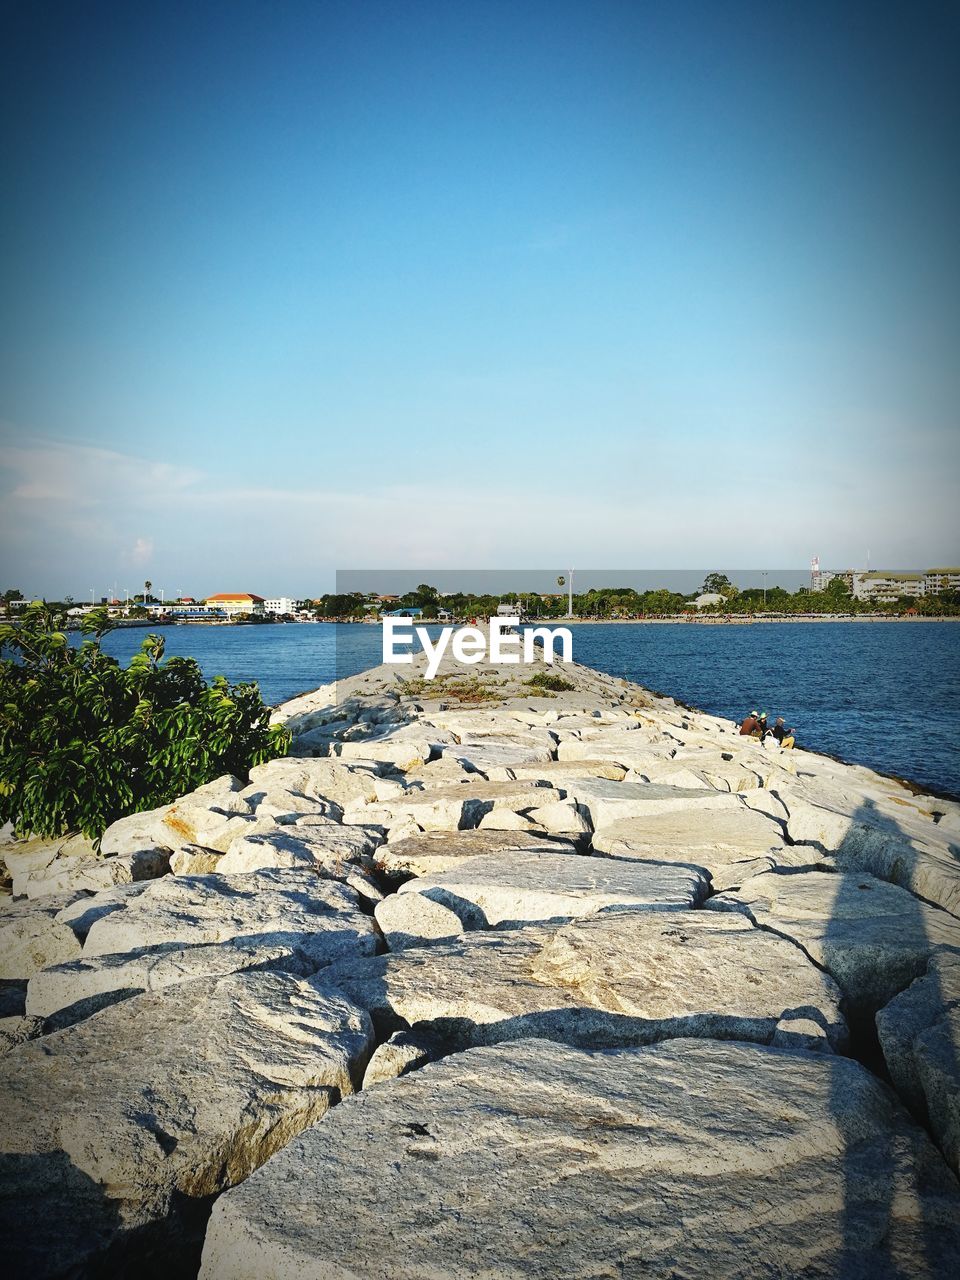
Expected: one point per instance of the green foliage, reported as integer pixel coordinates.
(550, 680)
(84, 741)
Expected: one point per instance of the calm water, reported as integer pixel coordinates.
(884, 694)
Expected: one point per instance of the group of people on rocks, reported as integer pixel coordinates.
(755, 726)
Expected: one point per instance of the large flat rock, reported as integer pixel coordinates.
(726, 842)
(906, 852)
(115, 1126)
(186, 911)
(434, 851)
(538, 1160)
(31, 936)
(607, 802)
(623, 977)
(537, 887)
(920, 1036)
(872, 937)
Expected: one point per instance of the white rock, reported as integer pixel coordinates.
(872, 937)
(621, 977)
(535, 1160)
(429, 852)
(32, 937)
(605, 802)
(194, 862)
(110, 1125)
(534, 887)
(562, 816)
(506, 820)
(144, 830)
(920, 1036)
(403, 1052)
(186, 911)
(83, 874)
(410, 920)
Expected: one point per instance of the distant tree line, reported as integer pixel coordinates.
(625, 602)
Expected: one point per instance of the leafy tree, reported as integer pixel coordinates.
(84, 741)
(12, 593)
(718, 583)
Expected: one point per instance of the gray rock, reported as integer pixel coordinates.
(538, 1160)
(872, 937)
(538, 887)
(187, 911)
(194, 862)
(329, 850)
(91, 874)
(433, 851)
(606, 802)
(620, 977)
(410, 920)
(116, 1124)
(403, 1052)
(145, 830)
(920, 1036)
(32, 937)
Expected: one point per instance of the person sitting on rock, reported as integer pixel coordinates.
(761, 729)
(789, 738)
(778, 730)
(748, 728)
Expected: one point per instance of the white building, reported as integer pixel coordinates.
(708, 598)
(937, 580)
(279, 605)
(887, 585)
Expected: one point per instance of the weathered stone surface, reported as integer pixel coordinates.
(411, 920)
(506, 820)
(430, 852)
(562, 816)
(561, 772)
(872, 937)
(16, 1030)
(710, 838)
(403, 1052)
(31, 937)
(344, 785)
(329, 849)
(194, 862)
(192, 1089)
(510, 890)
(463, 804)
(880, 845)
(144, 830)
(185, 911)
(920, 1036)
(606, 802)
(623, 977)
(81, 914)
(484, 754)
(401, 753)
(67, 993)
(24, 857)
(540, 1160)
(86, 874)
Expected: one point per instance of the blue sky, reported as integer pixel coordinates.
(296, 287)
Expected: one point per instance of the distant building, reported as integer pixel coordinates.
(403, 613)
(234, 603)
(508, 610)
(280, 605)
(820, 579)
(708, 598)
(886, 585)
(937, 580)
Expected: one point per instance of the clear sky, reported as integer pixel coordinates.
(291, 287)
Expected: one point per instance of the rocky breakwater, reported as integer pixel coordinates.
(488, 979)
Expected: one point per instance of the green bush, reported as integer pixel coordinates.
(84, 741)
(550, 680)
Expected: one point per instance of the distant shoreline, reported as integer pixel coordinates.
(735, 620)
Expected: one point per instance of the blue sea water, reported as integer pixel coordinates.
(886, 695)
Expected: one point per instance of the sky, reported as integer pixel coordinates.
(292, 288)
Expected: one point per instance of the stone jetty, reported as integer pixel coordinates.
(490, 979)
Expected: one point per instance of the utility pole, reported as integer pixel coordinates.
(570, 597)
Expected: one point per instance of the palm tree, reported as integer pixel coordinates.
(146, 590)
